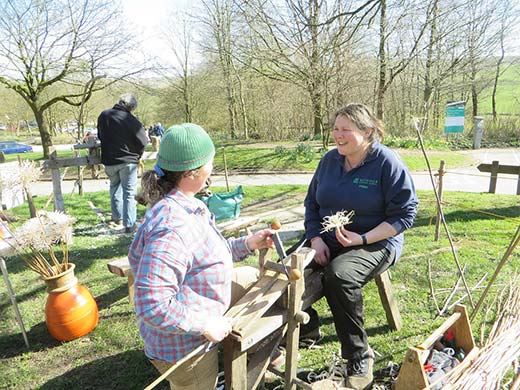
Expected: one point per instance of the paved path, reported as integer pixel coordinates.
(457, 179)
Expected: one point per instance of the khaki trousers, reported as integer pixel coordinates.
(200, 372)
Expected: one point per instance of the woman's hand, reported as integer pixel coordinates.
(322, 256)
(217, 328)
(260, 239)
(348, 238)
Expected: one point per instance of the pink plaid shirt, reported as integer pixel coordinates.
(182, 269)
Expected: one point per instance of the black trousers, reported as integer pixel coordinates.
(343, 279)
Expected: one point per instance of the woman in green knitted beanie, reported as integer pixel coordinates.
(182, 266)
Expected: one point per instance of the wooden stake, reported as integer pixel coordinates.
(441, 213)
(225, 168)
(441, 173)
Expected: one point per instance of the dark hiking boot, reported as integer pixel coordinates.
(359, 372)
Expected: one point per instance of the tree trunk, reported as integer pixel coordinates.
(316, 101)
(44, 133)
(381, 87)
(428, 85)
(495, 81)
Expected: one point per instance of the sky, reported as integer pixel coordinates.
(148, 17)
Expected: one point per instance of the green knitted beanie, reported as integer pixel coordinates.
(185, 147)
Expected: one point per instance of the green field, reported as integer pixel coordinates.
(508, 94)
(111, 356)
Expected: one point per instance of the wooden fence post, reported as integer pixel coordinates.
(494, 176)
(440, 173)
(518, 182)
(80, 175)
(59, 204)
(225, 168)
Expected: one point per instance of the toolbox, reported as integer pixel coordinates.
(412, 375)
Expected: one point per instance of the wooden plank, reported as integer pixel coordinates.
(507, 169)
(120, 267)
(263, 295)
(428, 343)
(272, 320)
(56, 163)
(462, 330)
(257, 300)
(386, 294)
(411, 375)
(276, 267)
(235, 365)
(259, 360)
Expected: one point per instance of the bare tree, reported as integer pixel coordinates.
(69, 43)
(508, 15)
(401, 36)
(179, 38)
(220, 14)
(298, 41)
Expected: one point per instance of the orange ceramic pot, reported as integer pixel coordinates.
(71, 310)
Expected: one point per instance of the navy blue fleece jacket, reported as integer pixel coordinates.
(380, 189)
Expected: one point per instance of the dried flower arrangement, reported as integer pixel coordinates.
(39, 235)
(341, 218)
(19, 178)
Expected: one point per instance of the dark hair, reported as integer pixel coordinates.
(155, 187)
(364, 119)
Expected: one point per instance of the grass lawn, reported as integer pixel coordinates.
(279, 156)
(268, 158)
(111, 356)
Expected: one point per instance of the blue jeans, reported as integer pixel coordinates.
(123, 185)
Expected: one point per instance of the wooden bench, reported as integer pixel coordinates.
(121, 267)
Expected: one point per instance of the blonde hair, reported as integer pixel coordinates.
(364, 119)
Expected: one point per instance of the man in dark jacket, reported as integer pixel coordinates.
(123, 139)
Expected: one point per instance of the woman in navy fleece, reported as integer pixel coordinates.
(362, 175)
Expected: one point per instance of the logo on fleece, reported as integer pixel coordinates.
(365, 183)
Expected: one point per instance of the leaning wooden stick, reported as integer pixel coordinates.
(166, 373)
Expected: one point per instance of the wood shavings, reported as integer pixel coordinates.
(337, 220)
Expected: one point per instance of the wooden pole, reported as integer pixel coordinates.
(439, 191)
(293, 332)
(80, 175)
(225, 168)
(13, 301)
(494, 176)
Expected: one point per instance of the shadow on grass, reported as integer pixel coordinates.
(39, 339)
(126, 370)
(464, 215)
(106, 300)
